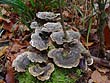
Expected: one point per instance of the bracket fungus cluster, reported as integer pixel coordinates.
(67, 54)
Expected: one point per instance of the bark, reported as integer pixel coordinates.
(101, 22)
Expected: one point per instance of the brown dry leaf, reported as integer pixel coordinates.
(16, 48)
(10, 74)
(96, 77)
(67, 14)
(103, 70)
(17, 45)
(7, 35)
(104, 78)
(8, 26)
(88, 44)
(2, 52)
(3, 19)
(3, 11)
(1, 81)
(85, 43)
(108, 81)
(93, 31)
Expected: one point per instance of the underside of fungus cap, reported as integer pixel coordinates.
(21, 62)
(65, 59)
(47, 72)
(58, 37)
(42, 73)
(36, 57)
(52, 27)
(34, 25)
(39, 42)
(47, 15)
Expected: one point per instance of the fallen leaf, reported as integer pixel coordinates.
(67, 14)
(1, 81)
(103, 70)
(3, 19)
(16, 48)
(8, 26)
(85, 43)
(96, 77)
(2, 52)
(88, 44)
(10, 74)
(93, 31)
(108, 81)
(3, 11)
(104, 78)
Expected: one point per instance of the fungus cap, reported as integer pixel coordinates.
(52, 27)
(47, 72)
(35, 70)
(47, 15)
(58, 37)
(34, 25)
(38, 42)
(21, 62)
(42, 73)
(36, 57)
(65, 59)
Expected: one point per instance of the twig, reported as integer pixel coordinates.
(101, 62)
(62, 19)
(26, 37)
(4, 43)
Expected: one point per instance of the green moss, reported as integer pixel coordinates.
(25, 78)
(59, 75)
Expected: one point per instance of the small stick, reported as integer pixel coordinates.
(26, 37)
(62, 19)
(101, 62)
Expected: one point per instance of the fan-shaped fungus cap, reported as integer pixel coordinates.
(34, 25)
(65, 59)
(38, 42)
(36, 70)
(52, 27)
(47, 72)
(36, 57)
(47, 15)
(42, 73)
(21, 62)
(58, 37)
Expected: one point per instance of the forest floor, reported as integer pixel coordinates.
(15, 37)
